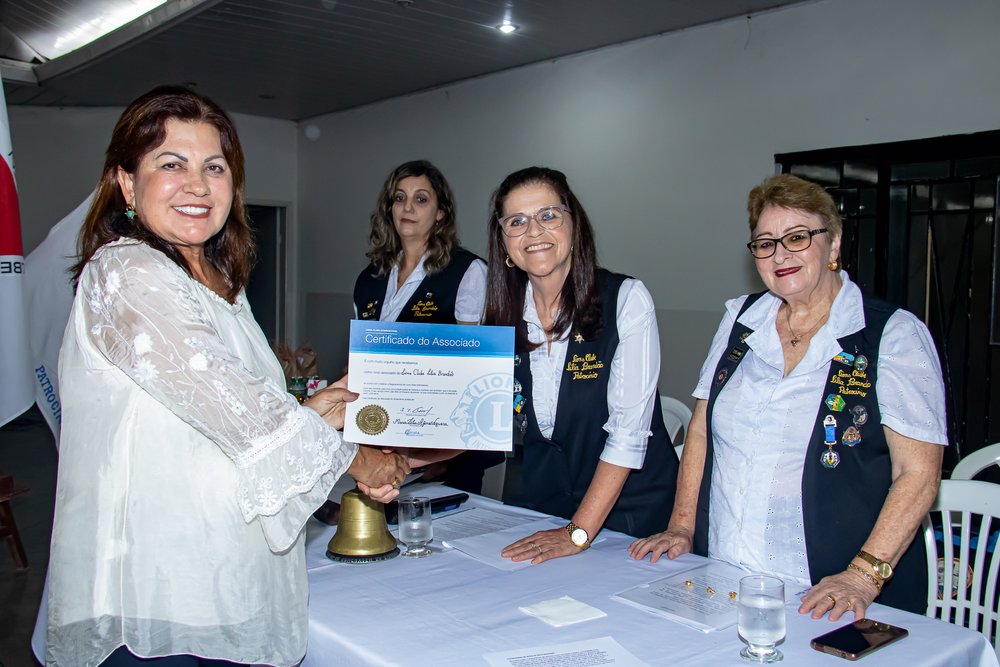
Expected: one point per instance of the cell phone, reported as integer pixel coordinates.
(442, 504)
(858, 639)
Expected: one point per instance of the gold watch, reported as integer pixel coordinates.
(882, 569)
(578, 536)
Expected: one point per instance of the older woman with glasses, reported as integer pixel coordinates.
(816, 443)
(595, 450)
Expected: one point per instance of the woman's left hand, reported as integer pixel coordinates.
(331, 404)
(837, 594)
(542, 546)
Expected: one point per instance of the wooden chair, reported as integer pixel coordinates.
(977, 461)
(963, 561)
(8, 527)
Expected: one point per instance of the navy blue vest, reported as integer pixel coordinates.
(839, 504)
(557, 472)
(432, 302)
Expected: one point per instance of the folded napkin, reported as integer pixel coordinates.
(563, 611)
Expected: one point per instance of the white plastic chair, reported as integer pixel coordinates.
(977, 461)
(676, 416)
(962, 578)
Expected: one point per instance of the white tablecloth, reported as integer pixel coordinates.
(449, 609)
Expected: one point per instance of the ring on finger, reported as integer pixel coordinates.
(395, 484)
(832, 599)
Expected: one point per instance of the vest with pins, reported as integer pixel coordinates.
(841, 502)
(432, 302)
(557, 472)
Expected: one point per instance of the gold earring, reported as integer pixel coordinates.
(833, 264)
(510, 264)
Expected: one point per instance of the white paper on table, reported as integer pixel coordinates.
(691, 605)
(590, 652)
(486, 548)
(475, 521)
(563, 611)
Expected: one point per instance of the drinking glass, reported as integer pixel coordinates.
(415, 525)
(761, 617)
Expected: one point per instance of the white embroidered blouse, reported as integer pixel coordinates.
(186, 474)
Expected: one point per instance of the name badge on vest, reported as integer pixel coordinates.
(584, 367)
(424, 308)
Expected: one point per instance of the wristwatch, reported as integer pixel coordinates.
(882, 569)
(578, 536)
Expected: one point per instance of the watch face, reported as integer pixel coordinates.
(884, 570)
(579, 537)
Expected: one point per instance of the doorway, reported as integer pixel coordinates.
(920, 231)
(266, 288)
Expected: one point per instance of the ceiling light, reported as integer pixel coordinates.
(506, 27)
(105, 16)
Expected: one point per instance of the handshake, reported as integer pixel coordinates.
(378, 472)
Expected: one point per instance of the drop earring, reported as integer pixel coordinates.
(130, 212)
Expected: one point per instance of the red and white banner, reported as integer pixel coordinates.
(17, 387)
(48, 287)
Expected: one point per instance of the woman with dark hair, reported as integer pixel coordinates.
(815, 447)
(595, 450)
(418, 270)
(420, 273)
(186, 471)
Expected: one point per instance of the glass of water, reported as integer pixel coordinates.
(761, 614)
(415, 525)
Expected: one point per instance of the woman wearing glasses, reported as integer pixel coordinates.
(815, 447)
(595, 449)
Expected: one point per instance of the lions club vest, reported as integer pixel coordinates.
(847, 471)
(557, 472)
(433, 301)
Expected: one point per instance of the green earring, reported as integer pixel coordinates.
(130, 212)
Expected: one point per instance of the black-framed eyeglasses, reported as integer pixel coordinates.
(796, 241)
(547, 217)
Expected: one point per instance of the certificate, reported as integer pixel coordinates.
(442, 386)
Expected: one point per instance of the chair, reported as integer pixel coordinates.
(676, 416)
(977, 461)
(8, 527)
(963, 565)
(493, 479)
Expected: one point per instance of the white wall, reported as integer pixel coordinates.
(661, 139)
(59, 152)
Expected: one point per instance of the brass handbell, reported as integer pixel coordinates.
(362, 533)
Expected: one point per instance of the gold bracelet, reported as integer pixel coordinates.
(867, 575)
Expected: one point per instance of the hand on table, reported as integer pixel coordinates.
(673, 543)
(542, 546)
(837, 594)
(331, 404)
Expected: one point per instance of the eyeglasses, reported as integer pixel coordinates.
(547, 217)
(797, 241)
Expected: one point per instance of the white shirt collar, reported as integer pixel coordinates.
(847, 316)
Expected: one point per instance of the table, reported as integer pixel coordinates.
(449, 609)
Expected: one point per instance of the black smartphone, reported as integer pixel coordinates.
(858, 639)
(443, 504)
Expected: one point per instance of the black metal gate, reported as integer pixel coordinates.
(919, 231)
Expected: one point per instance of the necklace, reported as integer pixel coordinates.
(797, 338)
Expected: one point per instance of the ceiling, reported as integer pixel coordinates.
(295, 59)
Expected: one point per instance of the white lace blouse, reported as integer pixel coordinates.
(186, 474)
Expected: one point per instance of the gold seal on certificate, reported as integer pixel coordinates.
(372, 419)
